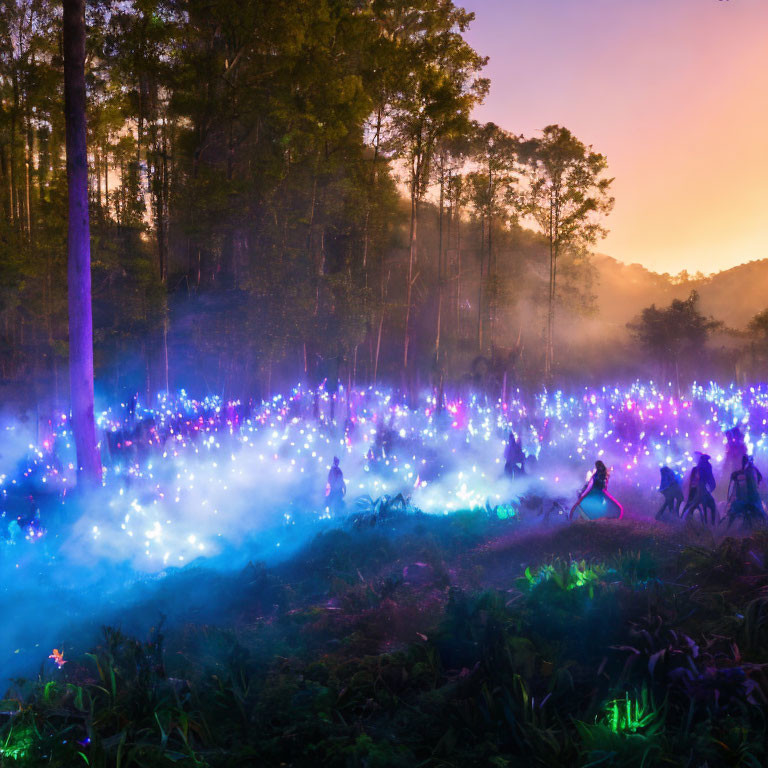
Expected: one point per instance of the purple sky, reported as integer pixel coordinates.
(674, 92)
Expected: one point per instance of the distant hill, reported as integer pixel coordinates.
(623, 290)
(736, 295)
(733, 296)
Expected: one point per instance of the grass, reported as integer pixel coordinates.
(434, 642)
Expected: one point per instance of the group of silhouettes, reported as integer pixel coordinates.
(743, 501)
(743, 498)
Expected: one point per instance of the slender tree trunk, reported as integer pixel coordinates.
(550, 308)
(552, 318)
(458, 272)
(490, 299)
(549, 352)
(27, 177)
(10, 186)
(106, 181)
(79, 247)
(165, 350)
(440, 276)
(378, 348)
(370, 192)
(148, 371)
(14, 113)
(119, 191)
(349, 386)
(480, 289)
(365, 246)
(43, 161)
(164, 191)
(97, 173)
(411, 256)
(504, 390)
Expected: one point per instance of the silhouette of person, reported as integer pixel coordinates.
(671, 489)
(735, 451)
(130, 410)
(701, 483)
(385, 435)
(744, 494)
(514, 464)
(594, 501)
(336, 488)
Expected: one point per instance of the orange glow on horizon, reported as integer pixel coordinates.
(674, 92)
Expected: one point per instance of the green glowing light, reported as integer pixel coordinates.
(18, 743)
(628, 715)
(567, 575)
(505, 511)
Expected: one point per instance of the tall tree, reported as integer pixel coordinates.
(451, 154)
(438, 90)
(566, 196)
(78, 246)
(492, 194)
(758, 327)
(674, 334)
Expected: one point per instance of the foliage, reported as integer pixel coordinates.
(371, 511)
(567, 575)
(244, 169)
(674, 335)
(567, 195)
(614, 659)
(629, 715)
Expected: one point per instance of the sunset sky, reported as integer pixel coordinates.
(674, 92)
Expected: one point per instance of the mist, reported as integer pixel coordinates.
(209, 487)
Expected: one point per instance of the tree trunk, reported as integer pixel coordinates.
(162, 212)
(79, 247)
(550, 312)
(411, 256)
(378, 348)
(165, 349)
(440, 277)
(554, 252)
(458, 273)
(480, 288)
(490, 298)
(14, 112)
(106, 182)
(549, 352)
(27, 179)
(97, 172)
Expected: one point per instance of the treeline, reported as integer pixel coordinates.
(284, 192)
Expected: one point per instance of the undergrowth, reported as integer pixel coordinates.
(432, 642)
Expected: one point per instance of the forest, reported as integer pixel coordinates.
(362, 377)
(305, 182)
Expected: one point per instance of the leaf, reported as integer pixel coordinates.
(655, 658)
(163, 734)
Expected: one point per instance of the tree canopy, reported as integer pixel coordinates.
(675, 334)
(275, 190)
